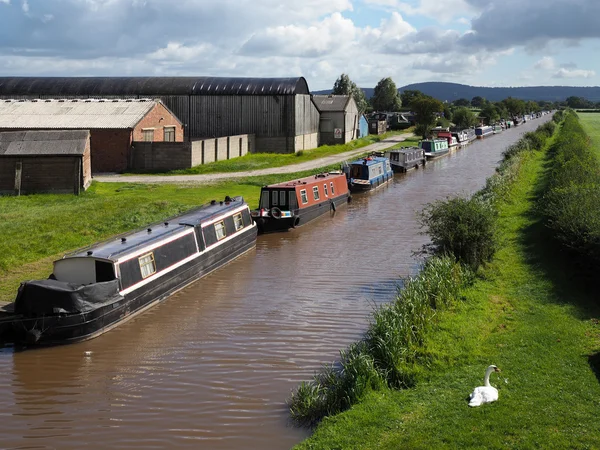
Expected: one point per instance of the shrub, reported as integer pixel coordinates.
(464, 228)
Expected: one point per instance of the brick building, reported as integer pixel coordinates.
(114, 124)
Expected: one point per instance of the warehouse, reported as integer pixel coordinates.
(45, 161)
(113, 124)
(278, 112)
(338, 118)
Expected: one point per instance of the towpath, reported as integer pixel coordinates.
(292, 168)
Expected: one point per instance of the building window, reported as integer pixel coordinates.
(332, 190)
(147, 264)
(316, 192)
(148, 135)
(169, 134)
(303, 196)
(325, 190)
(220, 230)
(274, 198)
(238, 221)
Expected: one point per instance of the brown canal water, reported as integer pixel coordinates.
(211, 367)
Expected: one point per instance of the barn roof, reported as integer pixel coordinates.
(331, 102)
(47, 143)
(73, 114)
(149, 86)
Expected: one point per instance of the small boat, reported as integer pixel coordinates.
(497, 129)
(98, 288)
(446, 134)
(369, 173)
(461, 136)
(434, 148)
(484, 131)
(405, 159)
(293, 203)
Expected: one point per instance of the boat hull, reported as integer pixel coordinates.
(438, 154)
(373, 183)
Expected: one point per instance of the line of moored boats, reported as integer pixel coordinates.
(95, 289)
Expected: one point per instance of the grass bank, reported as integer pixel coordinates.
(37, 229)
(530, 314)
(256, 161)
(591, 125)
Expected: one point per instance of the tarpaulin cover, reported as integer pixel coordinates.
(48, 297)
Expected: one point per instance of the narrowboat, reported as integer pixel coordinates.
(483, 131)
(461, 136)
(497, 129)
(446, 134)
(405, 159)
(293, 203)
(434, 148)
(368, 173)
(96, 289)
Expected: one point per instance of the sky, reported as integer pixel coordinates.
(475, 42)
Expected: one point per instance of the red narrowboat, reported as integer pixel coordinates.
(293, 203)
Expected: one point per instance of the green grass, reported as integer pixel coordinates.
(37, 229)
(591, 125)
(529, 314)
(256, 161)
(412, 141)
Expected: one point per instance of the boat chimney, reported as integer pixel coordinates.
(123, 240)
(149, 230)
(89, 253)
(166, 224)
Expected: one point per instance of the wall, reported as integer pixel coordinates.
(158, 118)
(60, 174)
(110, 150)
(164, 156)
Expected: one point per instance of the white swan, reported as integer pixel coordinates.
(486, 393)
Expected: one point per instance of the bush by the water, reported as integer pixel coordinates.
(572, 201)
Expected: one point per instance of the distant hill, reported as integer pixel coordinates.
(454, 91)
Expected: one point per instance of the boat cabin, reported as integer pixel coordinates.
(433, 145)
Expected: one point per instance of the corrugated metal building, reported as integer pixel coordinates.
(114, 124)
(45, 161)
(278, 111)
(339, 118)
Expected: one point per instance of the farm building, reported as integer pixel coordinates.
(113, 124)
(45, 161)
(339, 118)
(278, 112)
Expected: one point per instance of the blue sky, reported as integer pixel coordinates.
(476, 42)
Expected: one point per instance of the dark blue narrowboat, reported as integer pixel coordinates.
(368, 173)
(100, 287)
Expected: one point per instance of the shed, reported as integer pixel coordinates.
(113, 123)
(363, 126)
(339, 118)
(279, 112)
(45, 161)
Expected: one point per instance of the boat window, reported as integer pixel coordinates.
(147, 264)
(282, 198)
(325, 190)
(264, 199)
(274, 198)
(293, 203)
(304, 196)
(220, 230)
(238, 222)
(104, 271)
(316, 192)
(332, 189)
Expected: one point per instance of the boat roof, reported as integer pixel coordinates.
(306, 180)
(370, 160)
(116, 247)
(405, 149)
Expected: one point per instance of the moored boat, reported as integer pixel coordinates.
(497, 129)
(483, 131)
(294, 203)
(369, 173)
(96, 289)
(461, 136)
(405, 159)
(449, 136)
(434, 148)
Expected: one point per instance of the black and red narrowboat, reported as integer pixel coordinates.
(96, 289)
(293, 203)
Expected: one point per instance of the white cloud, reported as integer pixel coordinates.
(546, 63)
(442, 11)
(574, 73)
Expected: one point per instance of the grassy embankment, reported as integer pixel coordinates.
(38, 229)
(256, 161)
(529, 313)
(591, 125)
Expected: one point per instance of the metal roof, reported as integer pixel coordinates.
(149, 86)
(331, 102)
(48, 143)
(73, 114)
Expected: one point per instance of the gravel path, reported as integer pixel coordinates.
(212, 177)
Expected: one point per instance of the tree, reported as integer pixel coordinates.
(385, 96)
(464, 117)
(447, 112)
(426, 110)
(345, 86)
(514, 106)
(490, 112)
(477, 101)
(462, 102)
(409, 96)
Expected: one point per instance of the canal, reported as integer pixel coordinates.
(212, 366)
